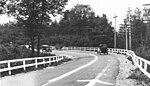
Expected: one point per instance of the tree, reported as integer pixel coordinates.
(138, 30)
(33, 15)
(79, 15)
(80, 21)
(10, 32)
(146, 18)
(2, 6)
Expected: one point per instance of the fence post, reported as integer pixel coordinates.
(36, 66)
(94, 49)
(9, 67)
(145, 66)
(49, 60)
(44, 61)
(57, 59)
(140, 63)
(24, 65)
(81, 48)
(136, 60)
(84, 49)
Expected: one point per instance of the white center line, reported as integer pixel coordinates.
(103, 71)
(73, 71)
(94, 81)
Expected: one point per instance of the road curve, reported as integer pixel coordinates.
(87, 69)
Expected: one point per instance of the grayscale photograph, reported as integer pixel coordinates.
(74, 42)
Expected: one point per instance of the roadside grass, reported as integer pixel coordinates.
(137, 75)
(141, 78)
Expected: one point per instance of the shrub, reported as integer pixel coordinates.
(58, 46)
(8, 52)
(140, 77)
(143, 52)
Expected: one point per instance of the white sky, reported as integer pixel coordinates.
(108, 7)
(5, 19)
(111, 7)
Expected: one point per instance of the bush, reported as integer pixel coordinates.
(8, 52)
(58, 46)
(143, 52)
(140, 77)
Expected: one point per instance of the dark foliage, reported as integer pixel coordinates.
(8, 52)
(80, 27)
(143, 52)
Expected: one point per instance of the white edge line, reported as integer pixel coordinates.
(73, 71)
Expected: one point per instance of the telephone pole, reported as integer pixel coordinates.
(126, 33)
(115, 32)
(129, 27)
(146, 17)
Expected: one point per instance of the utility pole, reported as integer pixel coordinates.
(129, 27)
(115, 32)
(126, 32)
(126, 38)
(146, 17)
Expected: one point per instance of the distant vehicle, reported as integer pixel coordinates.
(102, 49)
(46, 48)
(26, 46)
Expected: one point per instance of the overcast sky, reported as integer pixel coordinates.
(108, 7)
(111, 7)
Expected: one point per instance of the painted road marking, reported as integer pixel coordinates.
(73, 71)
(92, 82)
(49, 67)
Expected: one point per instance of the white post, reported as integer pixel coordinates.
(36, 66)
(140, 63)
(24, 65)
(49, 60)
(145, 66)
(9, 68)
(44, 61)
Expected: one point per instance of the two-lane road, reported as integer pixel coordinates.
(86, 69)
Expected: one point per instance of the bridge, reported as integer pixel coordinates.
(86, 69)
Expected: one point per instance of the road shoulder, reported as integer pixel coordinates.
(125, 71)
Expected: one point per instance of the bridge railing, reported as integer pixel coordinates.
(10, 65)
(142, 64)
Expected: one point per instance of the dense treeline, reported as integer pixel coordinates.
(140, 33)
(80, 27)
(33, 16)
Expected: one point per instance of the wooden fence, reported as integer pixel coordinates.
(10, 65)
(142, 64)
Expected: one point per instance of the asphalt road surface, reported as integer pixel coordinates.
(86, 69)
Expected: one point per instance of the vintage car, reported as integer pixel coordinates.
(46, 48)
(102, 49)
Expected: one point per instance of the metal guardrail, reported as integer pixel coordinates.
(24, 63)
(142, 64)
